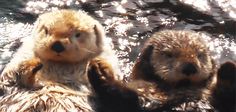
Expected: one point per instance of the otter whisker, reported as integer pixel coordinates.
(3, 83)
(88, 50)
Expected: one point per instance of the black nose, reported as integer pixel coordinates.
(58, 47)
(189, 69)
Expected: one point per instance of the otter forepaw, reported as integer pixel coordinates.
(226, 79)
(225, 90)
(100, 72)
(227, 72)
(27, 71)
(113, 94)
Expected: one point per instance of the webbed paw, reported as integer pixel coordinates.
(227, 73)
(27, 71)
(114, 95)
(100, 72)
(225, 90)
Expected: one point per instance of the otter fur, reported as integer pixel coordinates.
(49, 72)
(175, 72)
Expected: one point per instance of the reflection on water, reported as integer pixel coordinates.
(227, 6)
(129, 23)
(11, 34)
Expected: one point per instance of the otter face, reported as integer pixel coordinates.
(68, 36)
(180, 55)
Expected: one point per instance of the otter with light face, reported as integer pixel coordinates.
(49, 72)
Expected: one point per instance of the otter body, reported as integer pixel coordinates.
(175, 72)
(54, 76)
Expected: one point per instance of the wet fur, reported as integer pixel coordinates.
(148, 91)
(164, 96)
(113, 96)
(174, 93)
(224, 94)
(47, 81)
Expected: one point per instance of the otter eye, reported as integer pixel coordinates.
(77, 35)
(201, 55)
(167, 54)
(46, 30)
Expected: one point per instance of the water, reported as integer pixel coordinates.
(128, 23)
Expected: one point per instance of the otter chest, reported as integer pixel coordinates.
(67, 74)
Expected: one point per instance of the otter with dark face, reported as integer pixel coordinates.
(175, 56)
(175, 72)
(181, 68)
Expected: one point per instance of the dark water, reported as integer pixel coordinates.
(128, 23)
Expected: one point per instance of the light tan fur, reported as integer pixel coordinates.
(63, 78)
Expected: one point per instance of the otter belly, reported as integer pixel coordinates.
(48, 99)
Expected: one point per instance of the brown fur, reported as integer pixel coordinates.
(171, 50)
(27, 73)
(49, 80)
(112, 94)
(161, 81)
(162, 62)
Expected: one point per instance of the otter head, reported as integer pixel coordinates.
(176, 56)
(67, 36)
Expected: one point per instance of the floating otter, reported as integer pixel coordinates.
(51, 75)
(179, 65)
(175, 72)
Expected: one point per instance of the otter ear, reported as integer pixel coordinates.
(146, 54)
(142, 68)
(37, 26)
(100, 34)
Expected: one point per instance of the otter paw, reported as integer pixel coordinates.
(113, 94)
(27, 71)
(100, 72)
(225, 90)
(227, 73)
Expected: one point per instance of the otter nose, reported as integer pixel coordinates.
(57, 47)
(189, 69)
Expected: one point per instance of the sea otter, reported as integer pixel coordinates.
(175, 72)
(49, 72)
